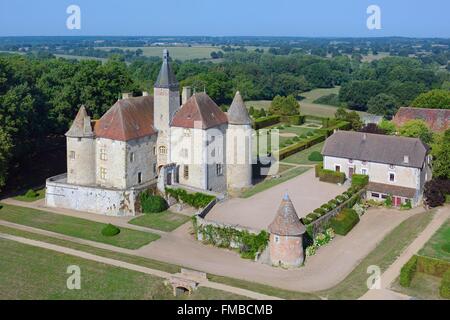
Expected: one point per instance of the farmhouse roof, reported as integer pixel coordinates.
(81, 126)
(201, 112)
(238, 114)
(166, 78)
(436, 119)
(402, 151)
(127, 119)
(391, 189)
(286, 222)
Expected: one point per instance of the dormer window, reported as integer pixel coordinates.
(162, 150)
(391, 166)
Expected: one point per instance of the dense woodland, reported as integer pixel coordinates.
(40, 94)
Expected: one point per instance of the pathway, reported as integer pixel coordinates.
(388, 277)
(133, 267)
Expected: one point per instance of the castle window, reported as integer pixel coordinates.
(186, 172)
(72, 155)
(103, 173)
(140, 177)
(154, 168)
(277, 239)
(187, 132)
(103, 154)
(162, 150)
(132, 157)
(154, 151)
(219, 169)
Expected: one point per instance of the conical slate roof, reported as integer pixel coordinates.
(238, 114)
(286, 222)
(166, 78)
(81, 126)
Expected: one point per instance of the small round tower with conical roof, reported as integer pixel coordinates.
(286, 236)
(239, 147)
(81, 150)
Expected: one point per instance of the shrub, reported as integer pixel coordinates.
(444, 289)
(152, 204)
(331, 176)
(407, 205)
(432, 266)
(31, 194)
(266, 122)
(293, 120)
(110, 230)
(197, 200)
(320, 211)
(315, 156)
(310, 133)
(318, 168)
(344, 221)
(435, 191)
(388, 202)
(408, 271)
(296, 139)
(360, 180)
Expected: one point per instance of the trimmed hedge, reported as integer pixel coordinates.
(360, 180)
(315, 156)
(341, 125)
(408, 271)
(266, 122)
(295, 120)
(299, 146)
(444, 289)
(110, 231)
(344, 221)
(331, 176)
(152, 204)
(432, 266)
(318, 168)
(197, 200)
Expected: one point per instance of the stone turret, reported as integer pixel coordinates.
(81, 150)
(239, 147)
(286, 236)
(166, 103)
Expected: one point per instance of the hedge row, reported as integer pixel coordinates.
(197, 200)
(266, 122)
(344, 221)
(432, 266)
(299, 146)
(331, 176)
(341, 125)
(293, 120)
(444, 289)
(408, 271)
(360, 180)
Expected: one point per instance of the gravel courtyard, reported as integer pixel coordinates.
(257, 212)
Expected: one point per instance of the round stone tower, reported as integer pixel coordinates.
(286, 236)
(239, 147)
(81, 150)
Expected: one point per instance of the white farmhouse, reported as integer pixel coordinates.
(396, 166)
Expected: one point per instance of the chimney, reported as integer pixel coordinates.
(186, 94)
(144, 93)
(127, 95)
(406, 159)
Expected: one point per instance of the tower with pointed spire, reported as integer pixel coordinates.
(239, 147)
(286, 236)
(81, 150)
(166, 103)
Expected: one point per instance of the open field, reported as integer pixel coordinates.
(180, 53)
(439, 245)
(75, 227)
(164, 221)
(302, 156)
(34, 273)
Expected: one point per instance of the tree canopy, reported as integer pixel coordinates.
(435, 99)
(417, 129)
(284, 106)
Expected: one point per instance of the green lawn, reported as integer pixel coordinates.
(75, 227)
(423, 286)
(439, 244)
(33, 273)
(302, 156)
(269, 183)
(40, 195)
(165, 221)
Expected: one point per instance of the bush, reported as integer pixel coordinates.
(318, 169)
(360, 180)
(293, 120)
(331, 176)
(435, 192)
(432, 266)
(197, 200)
(110, 231)
(444, 289)
(152, 204)
(408, 271)
(315, 156)
(266, 122)
(31, 194)
(344, 221)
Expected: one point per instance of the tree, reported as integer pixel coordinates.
(440, 150)
(341, 113)
(284, 106)
(436, 99)
(358, 93)
(5, 155)
(435, 191)
(416, 129)
(372, 128)
(387, 126)
(352, 117)
(383, 105)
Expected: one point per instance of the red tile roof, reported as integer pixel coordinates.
(436, 119)
(127, 119)
(199, 109)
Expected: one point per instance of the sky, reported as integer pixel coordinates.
(310, 18)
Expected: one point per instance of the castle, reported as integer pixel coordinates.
(146, 142)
